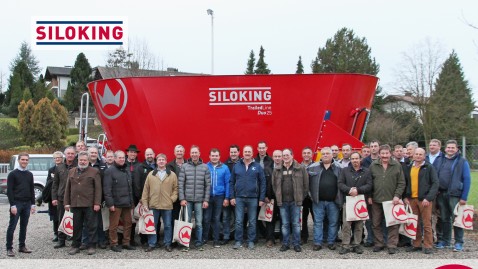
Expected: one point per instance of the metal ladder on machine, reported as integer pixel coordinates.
(83, 128)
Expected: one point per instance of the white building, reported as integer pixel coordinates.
(59, 78)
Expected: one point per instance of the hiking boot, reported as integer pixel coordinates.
(358, 249)
(284, 248)
(298, 248)
(317, 247)
(116, 248)
(60, 244)
(344, 250)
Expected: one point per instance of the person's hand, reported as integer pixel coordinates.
(396, 200)
(13, 210)
(370, 201)
(54, 202)
(184, 203)
(353, 192)
(261, 203)
(233, 202)
(462, 202)
(205, 204)
(145, 208)
(96, 208)
(33, 210)
(266, 200)
(425, 203)
(406, 201)
(67, 208)
(225, 203)
(112, 208)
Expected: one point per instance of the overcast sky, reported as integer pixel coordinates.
(179, 32)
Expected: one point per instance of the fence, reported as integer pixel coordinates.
(472, 156)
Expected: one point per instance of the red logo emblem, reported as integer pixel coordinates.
(68, 226)
(268, 212)
(360, 209)
(185, 234)
(467, 219)
(411, 228)
(112, 98)
(399, 213)
(149, 223)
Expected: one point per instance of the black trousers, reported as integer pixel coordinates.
(84, 216)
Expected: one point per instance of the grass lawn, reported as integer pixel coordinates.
(473, 195)
(12, 121)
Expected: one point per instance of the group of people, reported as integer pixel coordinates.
(83, 182)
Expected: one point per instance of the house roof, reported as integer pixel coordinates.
(54, 71)
(405, 98)
(101, 72)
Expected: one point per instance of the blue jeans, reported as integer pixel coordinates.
(197, 206)
(226, 222)
(447, 204)
(290, 214)
(212, 212)
(241, 204)
(167, 215)
(23, 213)
(99, 232)
(322, 209)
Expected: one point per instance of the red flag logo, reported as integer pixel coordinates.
(185, 235)
(360, 209)
(268, 212)
(400, 212)
(467, 218)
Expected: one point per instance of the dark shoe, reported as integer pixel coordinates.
(116, 248)
(10, 253)
(216, 244)
(83, 247)
(269, 243)
(317, 247)
(169, 249)
(378, 249)
(413, 249)
(128, 247)
(344, 250)
(60, 244)
(91, 250)
(74, 251)
(298, 249)
(392, 251)
(225, 242)
(102, 245)
(304, 241)
(133, 243)
(331, 246)
(428, 251)
(55, 238)
(284, 248)
(338, 240)
(148, 249)
(358, 249)
(24, 250)
(368, 245)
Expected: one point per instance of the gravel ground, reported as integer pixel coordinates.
(40, 233)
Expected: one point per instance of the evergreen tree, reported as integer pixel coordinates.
(261, 66)
(61, 115)
(250, 64)
(27, 131)
(27, 95)
(80, 76)
(20, 79)
(347, 53)
(300, 66)
(44, 121)
(451, 103)
(39, 89)
(25, 55)
(50, 95)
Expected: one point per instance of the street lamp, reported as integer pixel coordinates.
(210, 12)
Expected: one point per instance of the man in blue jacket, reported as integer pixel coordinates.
(219, 196)
(455, 180)
(248, 189)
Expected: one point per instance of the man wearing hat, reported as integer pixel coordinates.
(131, 165)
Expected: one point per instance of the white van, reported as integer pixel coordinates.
(38, 164)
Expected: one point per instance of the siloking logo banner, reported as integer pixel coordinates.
(79, 33)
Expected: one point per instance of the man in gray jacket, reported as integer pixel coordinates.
(194, 189)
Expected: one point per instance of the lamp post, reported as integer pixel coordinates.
(211, 12)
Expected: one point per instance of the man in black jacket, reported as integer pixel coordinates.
(21, 197)
(267, 164)
(117, 189)
(354, 180)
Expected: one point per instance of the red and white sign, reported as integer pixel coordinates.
(75, 33)
(113, 98)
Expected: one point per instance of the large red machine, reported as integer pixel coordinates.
(292, 111)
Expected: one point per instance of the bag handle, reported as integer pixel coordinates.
(455, 211)
(184, 217)
(408, 209)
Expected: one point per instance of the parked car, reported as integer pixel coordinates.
(38, 165)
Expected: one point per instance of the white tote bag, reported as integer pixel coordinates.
(394, 214)
(138, 211)
(409, 228)
(66, 225)
(463, 216)
(356, 208)
(105, 215)
(266, 212)
(182, 228)
(146, 223)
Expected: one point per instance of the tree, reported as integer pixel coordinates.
(347, 53)
(39, 89)
(61, 115)
(27, 130)
(300, 66)
(80, 76)
(451, 104)
(416, 76)
(25, 55)
(261, 66)
(46, 127)
(20, 79)
(27, 95)
(250, 64)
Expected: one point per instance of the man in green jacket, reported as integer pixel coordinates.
(388, 184)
